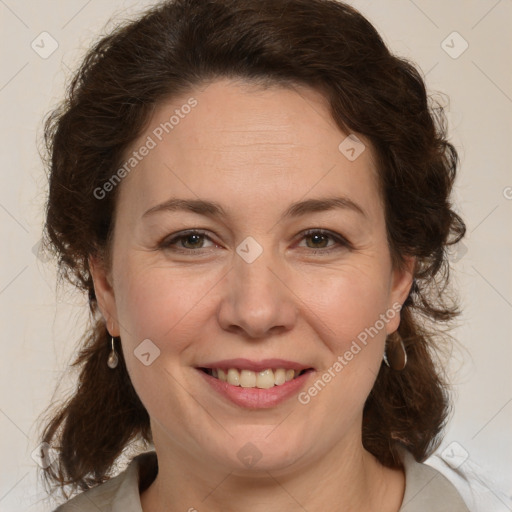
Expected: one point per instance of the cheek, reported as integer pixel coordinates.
(349, 323)
(350, 302)
(153, 305)
(351, 312)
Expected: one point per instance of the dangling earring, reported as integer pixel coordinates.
(112, 358)
(395, 355)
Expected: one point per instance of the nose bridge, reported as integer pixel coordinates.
(257, 300)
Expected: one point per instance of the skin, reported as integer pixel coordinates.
(255, 152)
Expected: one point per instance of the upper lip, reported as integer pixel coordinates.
(255, 366)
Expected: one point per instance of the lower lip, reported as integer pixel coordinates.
(256, 398)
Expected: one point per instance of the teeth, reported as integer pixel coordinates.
(233, 377)
(280, 376)
(265, 379)
(248, 379)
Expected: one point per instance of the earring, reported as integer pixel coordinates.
(395, 355)
(112, 358)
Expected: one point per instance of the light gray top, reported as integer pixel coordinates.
(426, 489)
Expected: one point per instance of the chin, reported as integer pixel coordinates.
(262, 448)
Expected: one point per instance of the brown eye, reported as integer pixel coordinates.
(320, 238)
(193, 239)
(185, 242)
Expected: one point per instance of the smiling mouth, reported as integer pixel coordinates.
(264, 379)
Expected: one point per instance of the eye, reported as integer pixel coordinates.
(186, 241)
(321, 237)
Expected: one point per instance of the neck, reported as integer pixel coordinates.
(347, 476)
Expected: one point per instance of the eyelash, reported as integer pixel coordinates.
(167, 243)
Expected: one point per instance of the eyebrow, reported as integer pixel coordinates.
(213, 209)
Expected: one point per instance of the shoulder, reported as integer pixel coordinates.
(119, 494)
(427, 489)
(482, 485)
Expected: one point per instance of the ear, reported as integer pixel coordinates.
(104, 294)
(402, 279)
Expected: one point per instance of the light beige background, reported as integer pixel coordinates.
(40, 329)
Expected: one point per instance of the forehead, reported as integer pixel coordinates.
(237, 139)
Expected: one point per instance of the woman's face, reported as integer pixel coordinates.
(254, 170)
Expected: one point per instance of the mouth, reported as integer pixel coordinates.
(263, 379)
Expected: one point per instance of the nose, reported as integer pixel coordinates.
(257, 301)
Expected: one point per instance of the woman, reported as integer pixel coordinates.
(256, 198)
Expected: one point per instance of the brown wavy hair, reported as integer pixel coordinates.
(177, 45)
